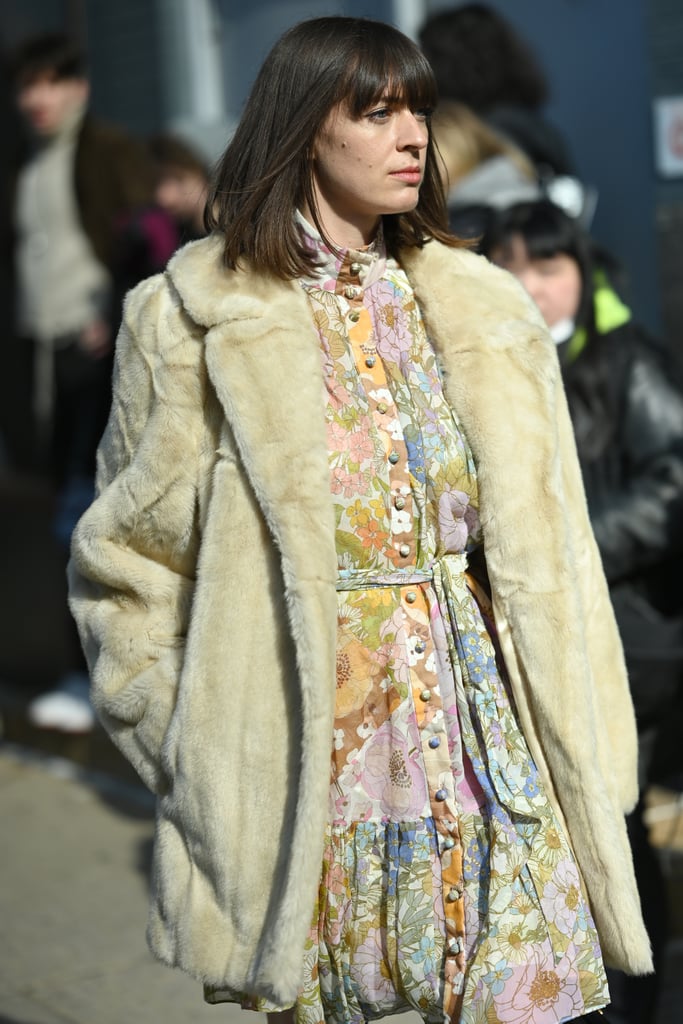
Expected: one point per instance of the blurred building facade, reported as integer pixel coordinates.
(187, 65)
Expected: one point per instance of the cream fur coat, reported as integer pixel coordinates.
(203, 582)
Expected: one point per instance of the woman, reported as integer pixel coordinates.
(288, 484)
(628, 423)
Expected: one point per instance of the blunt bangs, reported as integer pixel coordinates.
(548, 231)
(387, 65)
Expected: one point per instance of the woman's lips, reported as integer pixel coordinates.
(411, 175)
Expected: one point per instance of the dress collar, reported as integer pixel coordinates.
(343, 269)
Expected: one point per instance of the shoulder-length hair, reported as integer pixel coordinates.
(266, 172)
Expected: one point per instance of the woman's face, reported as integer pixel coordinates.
(554, 283)
(368, 166)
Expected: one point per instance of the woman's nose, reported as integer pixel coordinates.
(414, 131)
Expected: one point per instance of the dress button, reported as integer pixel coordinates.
(354, 316)
(355, 269)
(454, 946)
(420, 647)
(381, 407)
(352, 291)
(453, 895)
(411, 597)
(434, 742)
(448, 843)
(370, 361)
(393, 458)
(441, 794)
(404, 550)
(400, 503)
(426, 695)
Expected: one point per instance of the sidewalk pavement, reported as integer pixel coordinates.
(75, 848)
(73, 904)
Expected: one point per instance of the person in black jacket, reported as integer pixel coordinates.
(628, 423)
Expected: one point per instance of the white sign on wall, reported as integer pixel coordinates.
(668, 127)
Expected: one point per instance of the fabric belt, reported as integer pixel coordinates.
(433, 572)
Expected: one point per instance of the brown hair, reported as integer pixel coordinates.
(170, 151)
(266, 172)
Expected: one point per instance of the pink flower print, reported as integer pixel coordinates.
(456, 519)
(542, 992)
(339, 394)
(337, 436)
(342, 480)
(360, 447)
(369, 968)
(394, 775)
(392, 325)
(561, 898)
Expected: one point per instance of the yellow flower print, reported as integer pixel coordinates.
(379, 507)
(513, 940)
(358, 513)
(549, 847)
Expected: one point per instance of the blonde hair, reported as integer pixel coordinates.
(465, 141)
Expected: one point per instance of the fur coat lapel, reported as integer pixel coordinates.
(265, 367)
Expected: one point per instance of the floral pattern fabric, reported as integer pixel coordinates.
(448, 885)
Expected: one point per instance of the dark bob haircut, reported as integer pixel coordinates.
(266, 173)
(479, 59)
(48, 55)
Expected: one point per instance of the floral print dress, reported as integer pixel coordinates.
(448, 886)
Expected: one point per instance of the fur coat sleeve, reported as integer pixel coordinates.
(135, 549)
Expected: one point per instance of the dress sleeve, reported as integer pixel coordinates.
(134, 551)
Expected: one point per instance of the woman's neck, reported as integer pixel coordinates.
(345, 234)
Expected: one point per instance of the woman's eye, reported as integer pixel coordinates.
(380, 114)
(424, 113)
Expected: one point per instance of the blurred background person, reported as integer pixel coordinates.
(181, 183)
(628, 423)
(74, 193)
(480, 60)
(480, 168)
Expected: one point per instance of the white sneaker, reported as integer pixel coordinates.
(67, 707)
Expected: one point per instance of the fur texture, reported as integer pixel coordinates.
(203, 582)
